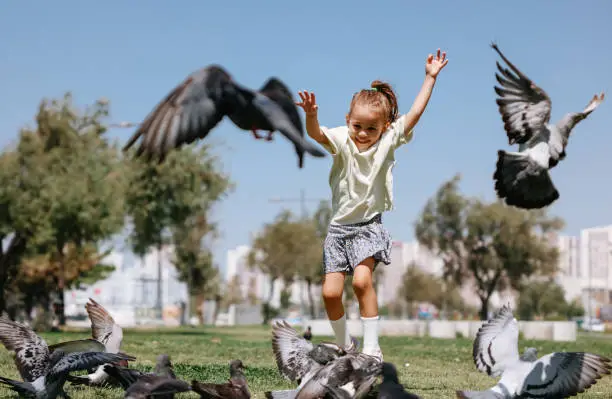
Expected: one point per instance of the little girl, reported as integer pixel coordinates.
(362, 189)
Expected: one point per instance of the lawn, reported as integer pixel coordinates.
(432, 368)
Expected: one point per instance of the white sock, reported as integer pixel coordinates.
(340, 330)
(370, 334)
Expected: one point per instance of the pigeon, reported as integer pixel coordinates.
(43, 372)
(236, 387)
(297, 358)
(556, 375)
(127, 377)
(522, 178)
(197, 105)
(156, 386)
(390, 387)
(350, 376)
(320, 368)
(308, 334)
(109, 334)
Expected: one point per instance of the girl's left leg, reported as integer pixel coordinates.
(368, 305)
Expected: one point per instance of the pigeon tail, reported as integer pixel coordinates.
(488, 394)
(522, 183)
(286, 394)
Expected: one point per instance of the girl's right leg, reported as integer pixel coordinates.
(333, 285)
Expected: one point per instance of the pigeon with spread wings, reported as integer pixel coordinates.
(522, 178)
(197, 105)
(43, 372)
(107, 332)
(556, 375)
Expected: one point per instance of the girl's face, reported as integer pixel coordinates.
(366, 124)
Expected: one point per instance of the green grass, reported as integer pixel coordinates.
(436, 367)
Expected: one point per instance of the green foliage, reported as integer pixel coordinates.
(494, 245)
(164, 195)
(545, 299)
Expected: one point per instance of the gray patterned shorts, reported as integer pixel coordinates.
(347, 245)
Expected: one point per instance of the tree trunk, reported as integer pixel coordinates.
(484, 308)
(158, 302)
(310, 298)
(61, 284)
(8, 263)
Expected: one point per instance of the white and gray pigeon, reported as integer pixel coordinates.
(323, 369)
(44, 373)
(522, 178)
(555, 375)
(106, 331)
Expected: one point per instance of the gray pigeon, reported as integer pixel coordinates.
(236, 387)
(44, 373)
(135, 382)
(197, 105)
(298, 358)
(522, 178)
(390, 388)
(556, 375)
(108, 333)
(350, 376)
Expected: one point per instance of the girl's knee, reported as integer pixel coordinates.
(362, 283)
(332, 290)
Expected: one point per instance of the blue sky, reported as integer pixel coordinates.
(135, 52)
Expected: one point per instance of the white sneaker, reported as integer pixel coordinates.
(375, 352)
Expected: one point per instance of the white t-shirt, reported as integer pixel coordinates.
(362, 182)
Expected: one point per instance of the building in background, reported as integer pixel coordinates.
(130, 292)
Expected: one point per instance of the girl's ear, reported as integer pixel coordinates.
(347, 119)
(387, 124)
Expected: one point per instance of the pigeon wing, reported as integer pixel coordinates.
(291, 352)
(79, 345)
(282, 121)
(189, 112)
(123, 375)
(31, 351)
(217, 391)
(84, 360)
(103, 326)
(524, 107)
(564, 374)
(156, 385)
(496, 343)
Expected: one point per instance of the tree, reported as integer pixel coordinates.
(72, 175)
(165, 195)
(252, 291)
(193, 260)
(544, 299)
(492, 244)
(418, 286)
(276, 250)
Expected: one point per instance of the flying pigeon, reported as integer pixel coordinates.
(197, 105)
(109, 334)
(44, 373)
(390, 388)
(236, 387)
(350, 376)
(522, 178)
(556, 375)
(320, 368)
(297, 358)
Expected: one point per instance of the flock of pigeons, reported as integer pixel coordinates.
(197, 105)
(325, 370)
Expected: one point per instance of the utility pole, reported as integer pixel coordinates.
(304, 214)
(302, 200)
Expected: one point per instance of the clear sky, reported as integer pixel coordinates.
(135, 52)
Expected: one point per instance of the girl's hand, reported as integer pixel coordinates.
(433, 66)
(309, 103)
